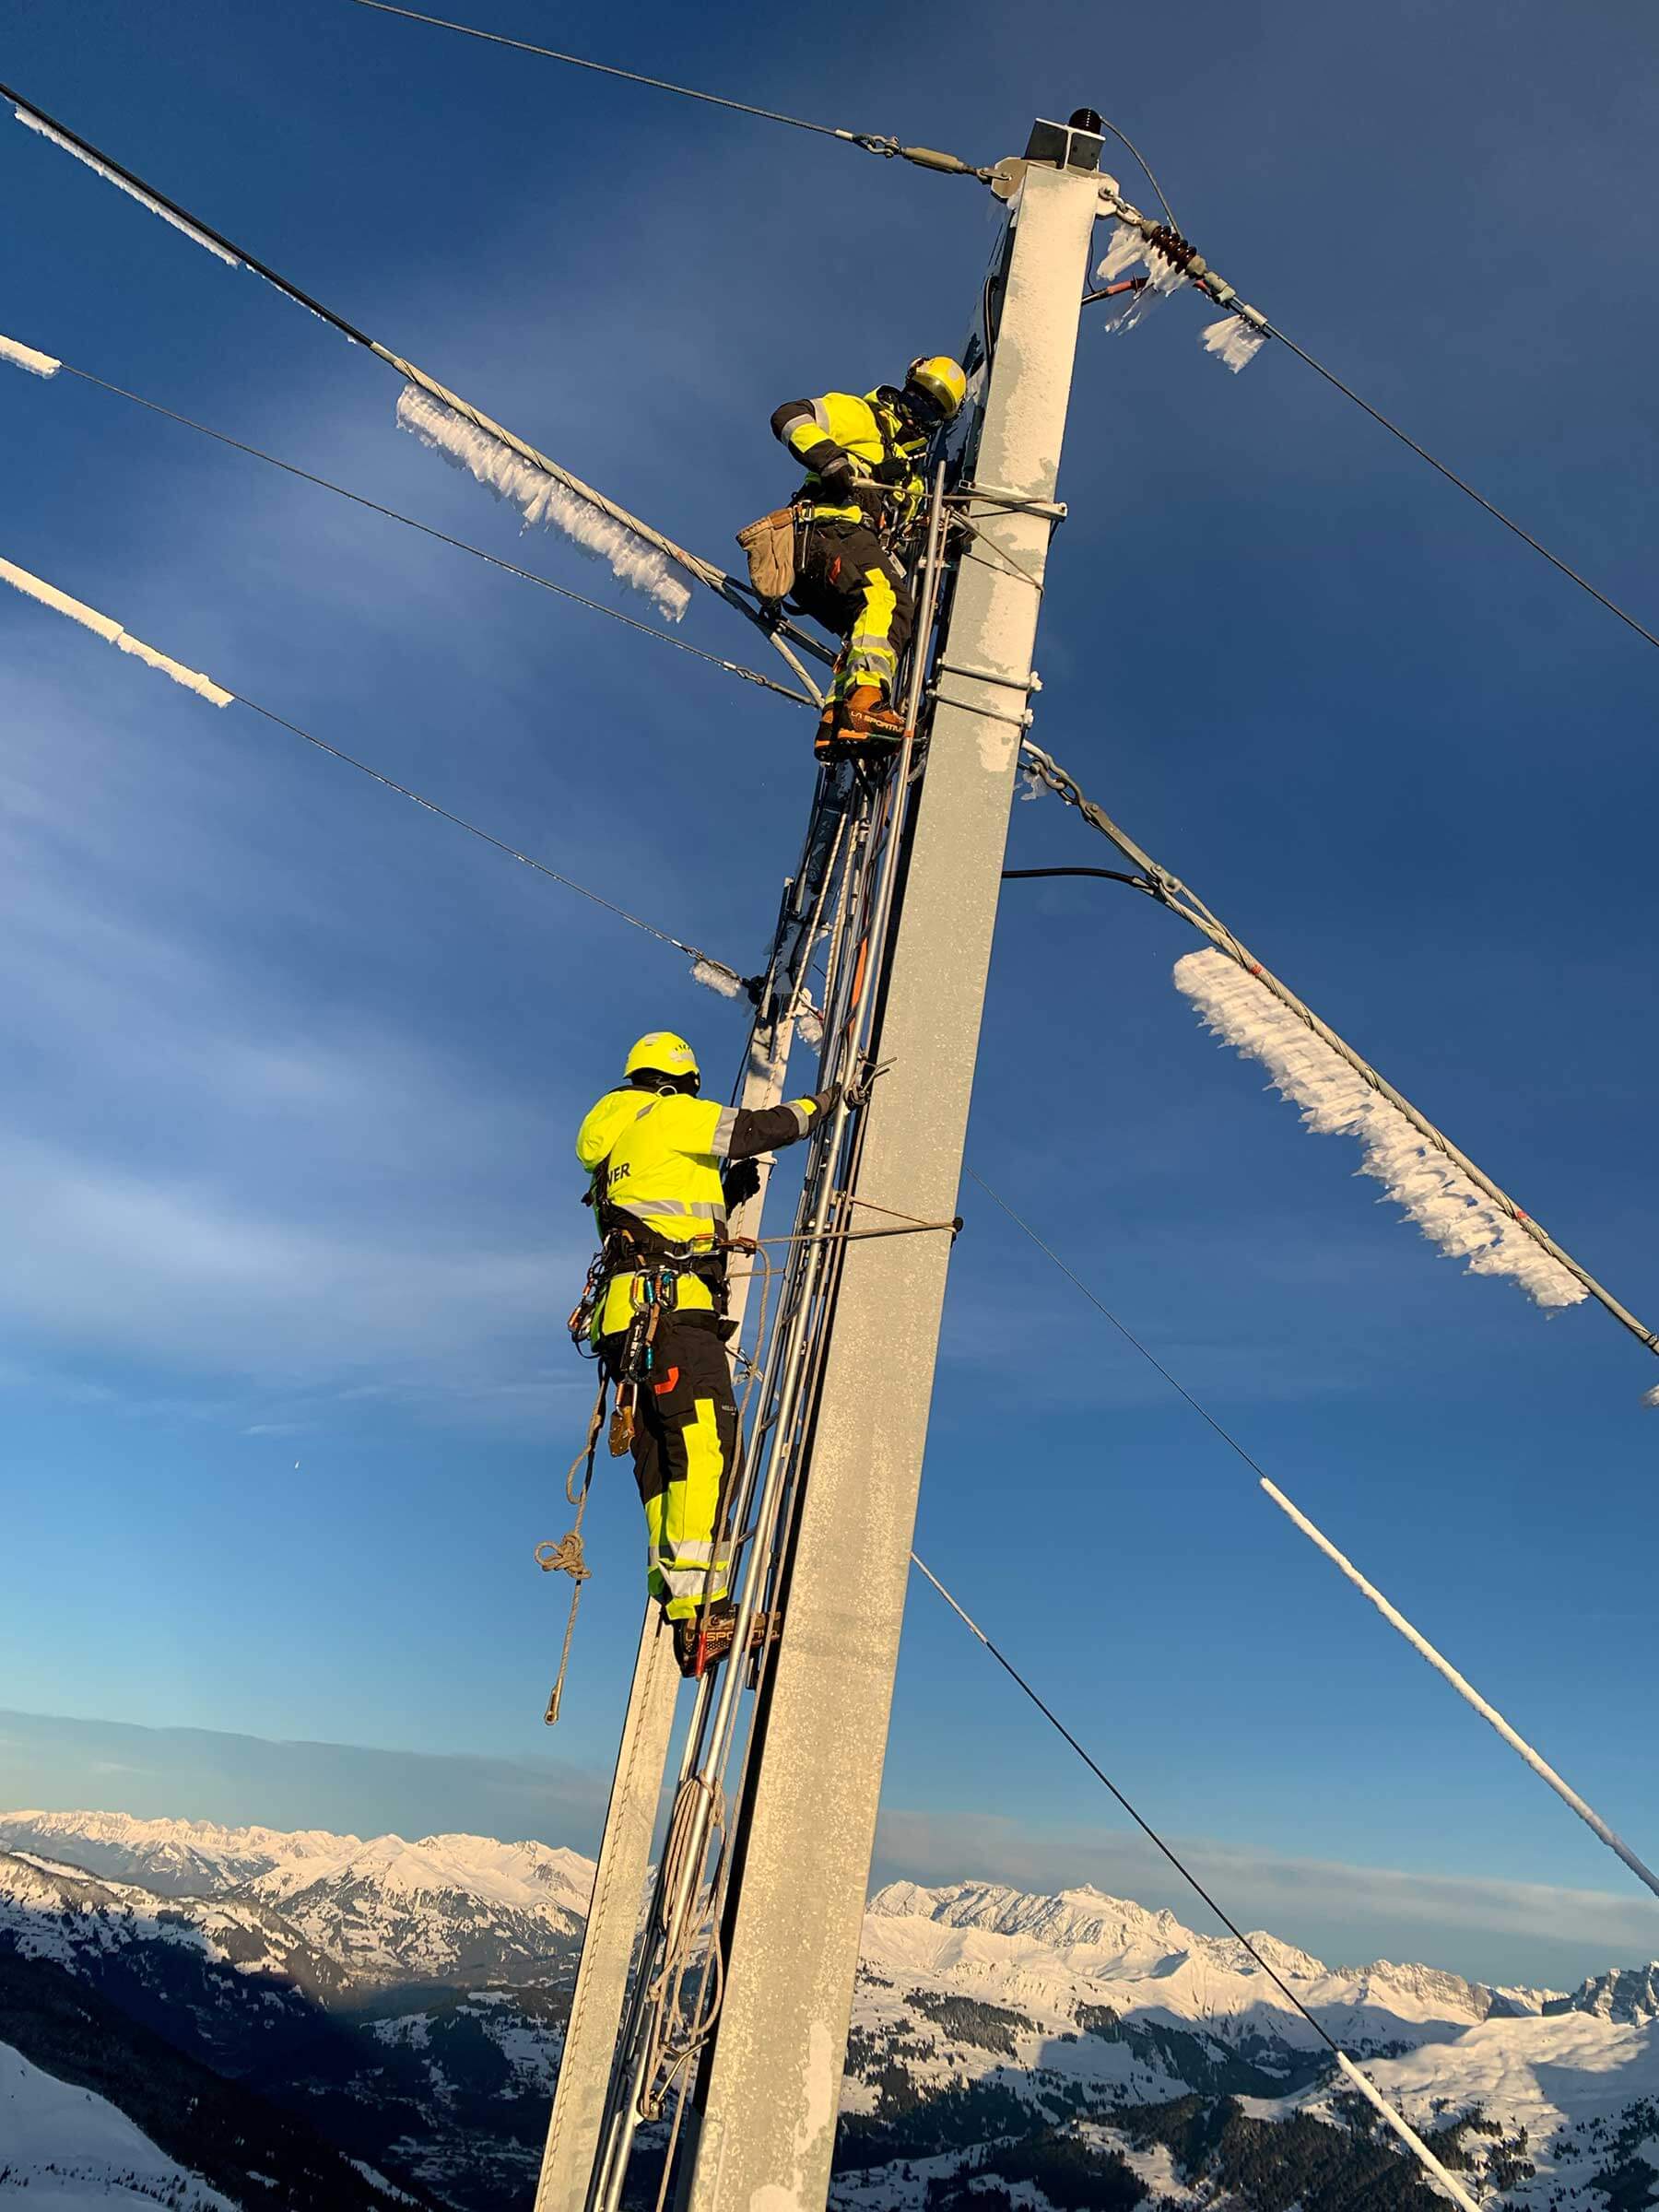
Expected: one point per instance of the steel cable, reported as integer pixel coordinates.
(1362, 2081)
(750, 676)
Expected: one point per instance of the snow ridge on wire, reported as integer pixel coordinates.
(25, 356)
(543, 498)
(1232, 341)
(111, 631)
(1335, 1101)
(34, 123)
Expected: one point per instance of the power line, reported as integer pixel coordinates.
(220, 695)
(1418, 1641)
(472, 828)
(1123, 1328)
(1360, 2080)
(706, 572)
(1467, 489)
(1180, 255)
(1158, 191)
(871, 142)
(560, 591)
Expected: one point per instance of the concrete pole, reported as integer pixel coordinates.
(771, 2086)
(599, 1998)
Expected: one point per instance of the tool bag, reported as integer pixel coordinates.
(772, 545)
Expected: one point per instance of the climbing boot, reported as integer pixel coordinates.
(867, 720)
(706, 1639)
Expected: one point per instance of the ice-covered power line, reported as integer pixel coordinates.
(1239, 337)
(871, 142)
(1427, 1179)
(1335, 1099)
(542, 498)
(1360, 2080)
(1465, 1689)
(706, 970)
(627, 526)
(1420, 1643)
(25, 356)
(111, 632)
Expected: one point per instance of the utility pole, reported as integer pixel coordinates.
(598, 1998)
(770, 2081)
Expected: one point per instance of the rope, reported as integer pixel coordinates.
(751, 675)
(1396, 1619)
(1360, 2080)
(566, 1556)
(1169, 890)
(868, 141)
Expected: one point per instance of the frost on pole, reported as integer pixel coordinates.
(35, 123)
(111, 631)
(543, 498)
(25, 356)
(1336, 1101)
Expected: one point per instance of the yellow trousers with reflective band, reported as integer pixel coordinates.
(850, 582)
(685, 1442)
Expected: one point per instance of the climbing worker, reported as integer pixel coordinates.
(665, 1165)
(863, 490)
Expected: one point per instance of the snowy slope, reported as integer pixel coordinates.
(444, 1909)
(175, 1858)
(74, 2152)
(325, 1910)
(1083, 1946)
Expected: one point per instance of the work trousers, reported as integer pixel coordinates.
(847, 580)
(685, 1442)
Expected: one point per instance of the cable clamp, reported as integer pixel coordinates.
(1027, 684)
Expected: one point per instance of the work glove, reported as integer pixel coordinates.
(741, 1182)
(896, 471)
(836, 475)
(826, 1102)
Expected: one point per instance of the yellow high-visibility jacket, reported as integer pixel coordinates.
(657, 1161)
(875, 434)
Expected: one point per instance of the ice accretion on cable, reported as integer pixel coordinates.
(1163, 277)
(34, 123)
(111, 631)
(715, 975)
(1232, 342)
(1335, 1101)
(541, 498)
(25, 356)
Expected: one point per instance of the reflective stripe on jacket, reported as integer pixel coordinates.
(870, 431)
(657, 1161)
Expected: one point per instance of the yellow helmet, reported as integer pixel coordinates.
(663, 1051)
(940, 380)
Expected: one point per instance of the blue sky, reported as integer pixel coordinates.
(285, 1146)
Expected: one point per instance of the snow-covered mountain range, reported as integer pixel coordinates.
(405, 2002)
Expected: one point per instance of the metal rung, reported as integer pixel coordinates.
(1020, 721)
(1053, 510)
(1032, 682)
